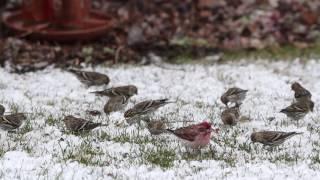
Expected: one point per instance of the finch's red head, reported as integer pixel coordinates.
(205, 124)
(208, 126)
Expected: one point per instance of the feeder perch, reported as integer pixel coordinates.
(58, 20)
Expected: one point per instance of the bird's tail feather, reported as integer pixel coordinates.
(97, 92)
(170, 131)
(166, 101)
(283, 110)
(73, 71)
(297, 133)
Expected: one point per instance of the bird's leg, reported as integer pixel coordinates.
(139, 123)
(286, 123)
(273, 149)
(188, 151)
(212, 150)
(198, 151)
(297, 123)
(108, 117)
(180, 151)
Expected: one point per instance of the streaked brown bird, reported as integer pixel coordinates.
(91, 78)
(127, 91)
(233, 95)
(12, 121)
(115, 103)
(298, 110)
(272, 138)
(75, 124)
(230, 116)
(2, 110)
(145, 107)
(300, 93)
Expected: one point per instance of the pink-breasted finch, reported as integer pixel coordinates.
(194, 136)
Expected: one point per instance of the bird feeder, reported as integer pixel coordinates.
(58, 20)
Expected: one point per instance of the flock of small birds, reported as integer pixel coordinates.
(195, 136)
(296, 111)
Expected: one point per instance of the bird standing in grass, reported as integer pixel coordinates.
(118, 97)
(272, 138)
(126, 91)
(12, 121)
(2, 110)
(115, 103)
(91, 78)
(144, 108)
(233, 95)
(298, 110)
(194, 136)
(80, 125)
(230, 116)
(300, 93)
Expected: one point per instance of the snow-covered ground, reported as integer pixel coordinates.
(42, 150)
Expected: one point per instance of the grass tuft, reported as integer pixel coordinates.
(161, 157)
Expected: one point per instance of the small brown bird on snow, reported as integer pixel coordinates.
(233, 95)
(272, 138)
(298, 110)
(91, 78)
(142, 110)
(115, 103)
(127, 91)
(230, 116)
(80, 125)
(145, 107)
(300, 93)
(11, 121)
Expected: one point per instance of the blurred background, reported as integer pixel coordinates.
(176, 30)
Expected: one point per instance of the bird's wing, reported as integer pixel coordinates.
(89, 125)
(274, 136)
(233, 91)
(301, 92)
(14, 119)
(143, 106)
(155, 104)
(297, 107)
(78, 124)
(91, 76)
(187, 133)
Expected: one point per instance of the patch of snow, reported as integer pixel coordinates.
(46, 152)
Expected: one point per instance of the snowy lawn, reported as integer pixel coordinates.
(42, 149)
